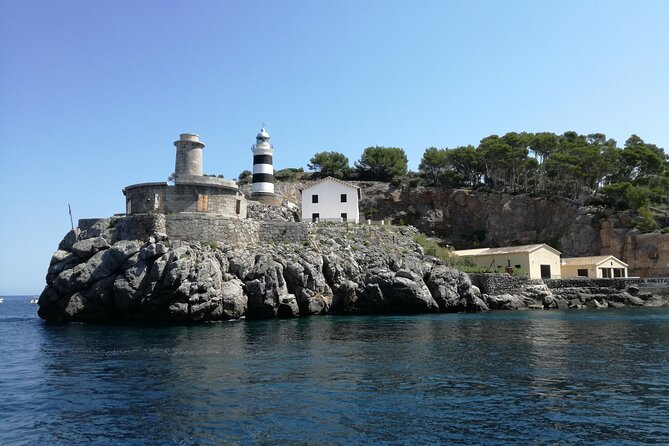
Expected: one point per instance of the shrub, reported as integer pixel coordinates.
(432, 248)
(647, 222)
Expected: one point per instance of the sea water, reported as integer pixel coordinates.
(518, 378)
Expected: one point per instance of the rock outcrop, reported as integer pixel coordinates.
(99, 274)
(96, 275)
(465, 218)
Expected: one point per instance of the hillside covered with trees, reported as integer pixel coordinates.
(590, 168)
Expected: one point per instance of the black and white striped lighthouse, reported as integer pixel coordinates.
(263, 171)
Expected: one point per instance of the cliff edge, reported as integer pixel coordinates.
(106, 273)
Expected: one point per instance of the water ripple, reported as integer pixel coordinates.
(498, 378)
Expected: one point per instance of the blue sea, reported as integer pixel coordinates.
(499, 378)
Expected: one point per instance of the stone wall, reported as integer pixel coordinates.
(141, 198)
(282, 231)
(138, 227)
(202, 227)
(496, 284)
(574, 282)
(490, 283)
(159, 197)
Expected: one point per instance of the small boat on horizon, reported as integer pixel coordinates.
(2, 299)
(34, 300)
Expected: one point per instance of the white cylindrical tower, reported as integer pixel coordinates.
(263, 171)
(189, 155)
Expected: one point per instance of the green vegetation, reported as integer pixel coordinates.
(590, 168)
(382, 163)
(245, 177)
(432, 248)
(212, 244)
(289, 174)
(332, 164)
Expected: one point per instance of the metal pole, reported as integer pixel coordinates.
(70, 211)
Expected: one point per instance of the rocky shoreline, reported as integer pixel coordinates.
(97, 275)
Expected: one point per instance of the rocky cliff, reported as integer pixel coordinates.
(467, 218)
(126, 269)
(99, 275)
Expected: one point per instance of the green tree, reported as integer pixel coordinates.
(504, 161)
(333, 164)
(382, 163)
(434, 166)
(466, 162)
(245, 177)
(647, 222)
(642, 160)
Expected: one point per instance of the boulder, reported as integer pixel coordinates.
(70, 239)
(505, 302)
(634, 301)
(84, 249)
(265, 285)
(288, 307)
(453, 291)
(232, 303)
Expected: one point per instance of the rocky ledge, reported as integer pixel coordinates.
(99, 275)
(95, 277)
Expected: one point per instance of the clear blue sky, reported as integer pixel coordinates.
(93, 93)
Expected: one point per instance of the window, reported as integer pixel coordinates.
(238, 207)
(517, 267)
(618, 272)
(315, 216)
(202, 203)
(343, 198)
(157, 202)
(606, 272)
(343, 216)
(582, 272)
(314, 198)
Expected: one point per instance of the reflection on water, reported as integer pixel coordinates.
(516, 378)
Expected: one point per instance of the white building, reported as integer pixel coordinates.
(537, 261)
(594, 267)
(331, 199)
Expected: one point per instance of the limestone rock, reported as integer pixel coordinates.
(505, 302)
(288, 307)
(69, 239)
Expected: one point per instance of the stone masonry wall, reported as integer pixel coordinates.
(495, 284)
(202, 227)
(490, 283)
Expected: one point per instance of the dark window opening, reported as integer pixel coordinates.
(343, 198)
(517, 266)
(606, 273)
(314, 198)
(545, 271)
(582, 273)
(343, 216)
(315, 216)
(238, 207)
(618, 272)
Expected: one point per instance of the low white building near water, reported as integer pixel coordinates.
(537, 261)
(331, 199)
(594, 267)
